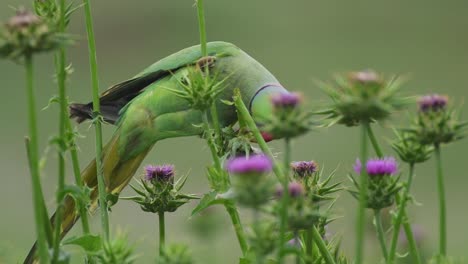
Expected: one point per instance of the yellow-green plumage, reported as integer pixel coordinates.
(145, 110)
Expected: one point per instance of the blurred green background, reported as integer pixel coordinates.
(299, 41)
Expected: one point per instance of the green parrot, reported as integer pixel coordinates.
(145, 111)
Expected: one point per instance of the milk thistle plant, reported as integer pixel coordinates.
(219, 93)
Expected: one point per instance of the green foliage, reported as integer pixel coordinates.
(176, 254)
(114, 251)
(89, 243)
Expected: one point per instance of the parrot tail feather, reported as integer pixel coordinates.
(117, 174)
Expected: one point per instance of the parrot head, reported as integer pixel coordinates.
(261, 107)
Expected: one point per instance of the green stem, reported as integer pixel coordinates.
(97, 121)
(230, 208)
(309, 244)
(399, 217)
(298, 254)
(375, 143)
(214, 152)
(442, 208)
(40, 212)
(63, 117)
(162, 233)
(202, 27)
(325, 253)
(380, 233)
(236, 222)
(361, 221)
(78, 180)
(284, 201)
(406, 225)
(412, 243)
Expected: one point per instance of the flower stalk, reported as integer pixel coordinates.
(399, 219)
(361, 220)
(40, 211)
(61, 80)
(442, 206)
(284, 200)
(162, 233)
(380, 232)
(97, 119)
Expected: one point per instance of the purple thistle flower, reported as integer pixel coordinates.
(252, 164)
(304, 168)
(282, 100)
(434, 102)
(378, 167)
(160, 173)
(295, 189)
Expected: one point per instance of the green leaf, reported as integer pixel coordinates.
(89, 243)
(206, 201)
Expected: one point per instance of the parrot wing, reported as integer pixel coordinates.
(116, 97)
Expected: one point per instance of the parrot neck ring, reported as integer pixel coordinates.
(264, 87)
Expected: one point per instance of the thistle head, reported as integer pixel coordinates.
(381, 188)
(363, 96)
(26, 33)
(436, 123)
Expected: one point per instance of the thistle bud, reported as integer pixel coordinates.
(409, 149)
(302, 211)
(158, 192)
(433, 102)
(295, 189)
(363, 96)
(250, 185)
(382, 187)
(289, 119)
(435, 122)
(26, 33)
(200, 87)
